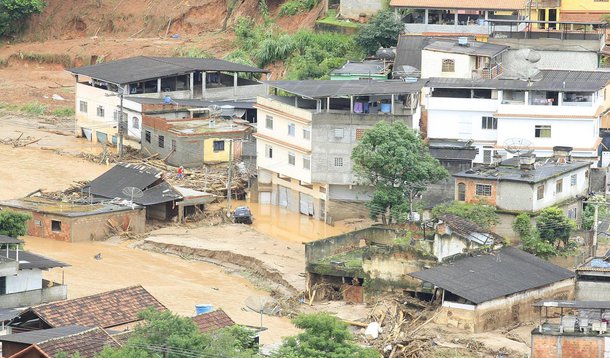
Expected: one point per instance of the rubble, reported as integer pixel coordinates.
(20, 141)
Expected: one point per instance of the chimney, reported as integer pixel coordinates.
(526, 161)
(496, 159)
(562, 154)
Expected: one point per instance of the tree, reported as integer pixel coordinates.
(394, 160)
(381, 31)
(324, 336)
(588, 215)
(13, 14)
(554, 226)
(13, 224)
(178, 335)
(530, 238)
(483, 215)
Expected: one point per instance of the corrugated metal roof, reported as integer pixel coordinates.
(29, 260)
(574, 304)
(475, 48)
(9, 240)
(143, 68)
(339, 88)
(462, 4)
(42, 335)
(483, 278)
(360, 68)
(514, 173)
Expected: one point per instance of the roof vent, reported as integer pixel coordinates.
(212, 123)
(463, 41)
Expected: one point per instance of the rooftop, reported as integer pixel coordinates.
(475, 48)
(361, 68)
(463, 4)
(202, 126)
(543, 170)
(142, 68)
(28, 260)
(195, 103)
(68, 209)
(469, 230)
(605, 305)
(42, 335)
(106, 309)
(485, 277)
(212, 321)
(339, 88)
(9, 240)
(87, 344)
(552, 80)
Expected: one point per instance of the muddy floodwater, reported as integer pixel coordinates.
(179, 284)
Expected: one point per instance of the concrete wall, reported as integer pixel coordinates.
(34, 297)
(25, 280)
(566, 346)
(432, 64)
(352, 9)
(555, 60)
(389, 268)
(345, 209)
(93, 227)
(592, 290)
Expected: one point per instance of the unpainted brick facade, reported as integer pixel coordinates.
(567, 346)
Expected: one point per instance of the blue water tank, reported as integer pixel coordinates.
(386, 108)
(167, 100)
(201, 309)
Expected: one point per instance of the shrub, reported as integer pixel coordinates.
(34, 108)
(381, 31)
(484, 215)
(293, 7)
(63, 112)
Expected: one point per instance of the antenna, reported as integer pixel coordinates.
(518, 146)
(132, 192)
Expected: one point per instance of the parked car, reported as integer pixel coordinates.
(242, 215)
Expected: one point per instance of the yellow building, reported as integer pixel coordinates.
(568, 11)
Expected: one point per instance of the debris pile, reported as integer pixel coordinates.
(20, 141)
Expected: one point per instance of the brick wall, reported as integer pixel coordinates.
(471, 184)
(546, 346)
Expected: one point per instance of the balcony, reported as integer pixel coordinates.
(50, 292)
(488, 73)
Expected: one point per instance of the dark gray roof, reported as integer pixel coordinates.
(454, 153)
(409, 47)
(57, 207)
(29, 260)
(514, 173)
(7, 314)
(339, 88)
(360, 68)
(552, 80)
(474, 48)
(574, 304)
(485, 277)
(195, 103)
(148, 179)
(41, 335)
(142, 68)
(469, 230)
(9, 240)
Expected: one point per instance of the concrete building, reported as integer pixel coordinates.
(462, 59)
(305, 143)
(468, 17)
(489, 291)
(593, 279)
(99, 87)
(373, 69)
(525, 185)
(558, 108)
(21, 282)
(571, 329)
(193, 142)
(77, 221)
(358, 9)
(575, 11)
(455, 235)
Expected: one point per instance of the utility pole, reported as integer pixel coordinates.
(230, 179)
(122, 125)
(595, 224)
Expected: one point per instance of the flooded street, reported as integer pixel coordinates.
(179, 284)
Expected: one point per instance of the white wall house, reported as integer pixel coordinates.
(564, 108)
(97, 88)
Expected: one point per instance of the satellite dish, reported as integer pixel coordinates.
(524, 67)
(518, 146)
(132, 192)
(262, 305)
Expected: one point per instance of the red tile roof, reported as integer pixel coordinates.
(212, 321)
(106, 309)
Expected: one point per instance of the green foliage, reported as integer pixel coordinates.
(263, 8)
(46, 58)
(523, 225)
(381, 31)
(530, 238)
(293, 7)
(13, 224)
(331, 19)
(588, 215)
(324, 336)
(483, 215)
(554, 227)
(192, 52)
(164, 329)
(34, 108)
(13, 14)
(394, 160)
(63, 112)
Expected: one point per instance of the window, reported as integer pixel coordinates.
(38, 223)
(306, 133)
(174, 145)
(306, 163)
(483, 189)
(559, 186)
(161, 141)
(573, 179)
(55, 226)
(268, 151)
(448, 65)
(269, 122)
(359, 133)
(572, 213)
(542, 132)
(461, 192)
(291, 158)
(338, 132)
(219, 145)
(100, 111)
(489, 123)
(135, 122)
(82, 106)
(540, 192)
(291, 130)
(147, 136)
(338, 162)
(487, 154)
(116, 116)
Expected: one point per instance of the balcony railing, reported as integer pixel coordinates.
(488, 73)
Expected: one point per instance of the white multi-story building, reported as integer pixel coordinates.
(305, 141)
(564, 108)
(142, 80)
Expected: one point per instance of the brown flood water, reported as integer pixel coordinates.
(177, 283)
